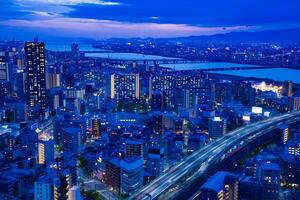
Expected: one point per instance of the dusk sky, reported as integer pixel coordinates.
(98, 19)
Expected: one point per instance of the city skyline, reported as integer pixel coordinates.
(149, 100)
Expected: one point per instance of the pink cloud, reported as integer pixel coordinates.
(72, 2)
(92, 28)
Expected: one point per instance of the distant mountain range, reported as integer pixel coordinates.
(269, 36)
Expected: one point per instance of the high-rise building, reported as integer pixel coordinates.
(4, 70)
(53, 80)
(74, 193)
(125, 176)
(198, 96)
(123, 86)
(75, 50)
(155, 161)
(223, 91)
(44, 188)
(45, 151)
(71, 140)
(220, 186)
(63, 185)
(287, 88)
(133, 148)
(131, 177)
(249, 189)
(96, 127)
(217, 127)
(284, 133)
(157, 100)
(20, 63)
(268, 175)
(294, 103)
(36, 80)
(164, 84)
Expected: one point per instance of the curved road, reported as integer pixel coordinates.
(202, 158)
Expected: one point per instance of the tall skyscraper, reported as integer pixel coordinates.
(125, 176)
(155, 161)
(294, 103)
(36, 79)
(217, 127)
(287, 89)
(96, 127)
(133, 148)
(71, 140)
(123, 86)
(4, 70)
(45, 151)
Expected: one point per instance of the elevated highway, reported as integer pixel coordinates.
(199, 162)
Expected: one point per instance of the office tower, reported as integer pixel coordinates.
(5, 89)
(223, 91)
(250, 167)
(44, 188)
(74, 193)
(294, 103)
(195, 142)
(157, 101)
(56, 98)
(125, 176)
(53, 80)
(287, 88)
(268, 175)
(18, 110)
(45, 151)
(36, 80)
(4, 70)
(243, 92)
(123, 86)
(71, 140)
(133, 148)
(131, 175)
(155, 161)
(216, 127)
(19, 83)
(283, 132)
(189, 80)
(20, 63)
(193, 97)
(112, 178)
(63, 184)
(164, 84)
(220, 186)
(290, 169)
(75, 50)
(249, 189)
(96, 127)
(292, 148)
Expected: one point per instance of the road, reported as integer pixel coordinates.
(90, 183)
(201, 159)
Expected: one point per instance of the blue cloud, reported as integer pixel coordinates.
(204, 12)
(190, 14)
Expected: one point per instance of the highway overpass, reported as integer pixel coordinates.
(198, 163)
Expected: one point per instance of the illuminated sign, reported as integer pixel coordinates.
(257, 110)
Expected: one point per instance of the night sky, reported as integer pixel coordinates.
(98, 19)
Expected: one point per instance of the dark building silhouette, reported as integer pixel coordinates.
(36, 79)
